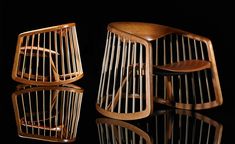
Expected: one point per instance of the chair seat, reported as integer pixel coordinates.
(185, 66)
(143, 61)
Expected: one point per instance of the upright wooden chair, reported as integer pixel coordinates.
(144, 62)
(47, 113)
(48, 56)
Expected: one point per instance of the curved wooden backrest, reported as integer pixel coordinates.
(123, 90)
(48, 56)
(143, 61)
(146, 31)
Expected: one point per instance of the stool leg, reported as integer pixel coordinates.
(169, 92)
(113, 104)
(55, 72)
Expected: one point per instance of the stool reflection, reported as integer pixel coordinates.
(167, 126)
(47, 113)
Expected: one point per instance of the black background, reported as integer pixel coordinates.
(213, 20)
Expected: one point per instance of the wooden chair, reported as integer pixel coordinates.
(48, 56)
(47, 113)
(146, 62)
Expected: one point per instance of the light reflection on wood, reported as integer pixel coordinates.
(48, 56)
(146, 62)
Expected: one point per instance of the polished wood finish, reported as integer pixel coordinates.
(146, 31)
(144, 62)
(185, 66)
(48, 56)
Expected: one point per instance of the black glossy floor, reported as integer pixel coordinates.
(87, 126)
(82, 124)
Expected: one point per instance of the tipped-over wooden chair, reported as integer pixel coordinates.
(48, 56)
(47, 113)
(144, 62)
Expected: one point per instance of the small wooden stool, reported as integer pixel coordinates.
(144, 62)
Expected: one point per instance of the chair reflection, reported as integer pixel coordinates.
(47, 113)
(166, 126)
